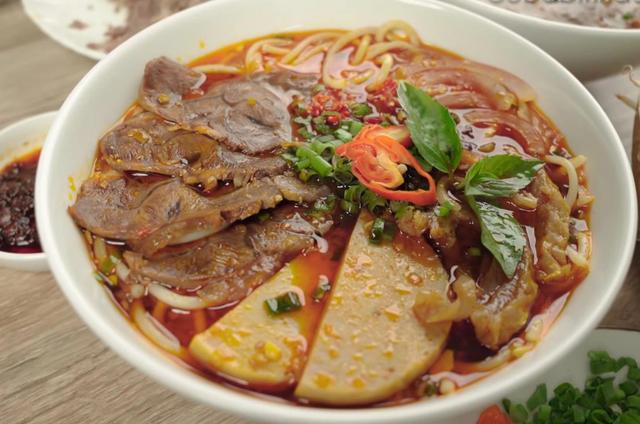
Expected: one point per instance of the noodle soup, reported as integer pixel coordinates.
(338, 218)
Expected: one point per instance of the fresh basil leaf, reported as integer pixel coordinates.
(500, 175)
(432, 128)
(500, 234)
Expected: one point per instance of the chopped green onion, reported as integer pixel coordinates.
(322, 289)
(431, 389)
(399, 208)
(381, 230)
(325, 204)
(289, 157)
(444, 210)
(349, 207)
(304, 133)
(263, 216)
(316, 162)
(287, 302)
(518, 413)
(539, 396)
(318, 88)
(320, 124)
(343, 135)
(474, 251)
(601, 363)
(360, 110)
(355, 127)
(306, 174)
(107, 265)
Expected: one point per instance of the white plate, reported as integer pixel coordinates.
(17, 140)
(54, 18)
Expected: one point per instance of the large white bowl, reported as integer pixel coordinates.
(588, 52)
(102, 96)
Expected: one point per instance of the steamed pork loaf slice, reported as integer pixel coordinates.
(152, 216)
(249, 344)
(148, 143)
(552, 230)
(249, 113)
(228, 265)
(369, 343)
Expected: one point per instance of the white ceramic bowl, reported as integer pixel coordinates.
(16, 140)
(588, 52)
(111, 86)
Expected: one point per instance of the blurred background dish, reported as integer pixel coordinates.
(20, 145)
(589, 52)
(92, 28)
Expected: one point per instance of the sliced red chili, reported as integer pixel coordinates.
(376, 154)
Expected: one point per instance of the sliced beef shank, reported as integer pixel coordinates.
(249, 113)
(227, 266)
(148, 143)
(150, 217)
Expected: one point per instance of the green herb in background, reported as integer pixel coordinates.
(610, 396)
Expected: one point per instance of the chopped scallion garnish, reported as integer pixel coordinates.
(287, 302)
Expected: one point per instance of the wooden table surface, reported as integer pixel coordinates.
(52, 368)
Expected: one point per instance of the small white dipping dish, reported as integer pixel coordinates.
(112, 85)
(588, 52)
(17, 140)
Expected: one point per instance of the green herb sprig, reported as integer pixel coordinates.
(491, 178)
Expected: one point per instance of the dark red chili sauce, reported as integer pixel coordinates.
(18, 233)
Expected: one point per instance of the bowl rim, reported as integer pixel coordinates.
(215, 395)
(564, 26)
(22, 261)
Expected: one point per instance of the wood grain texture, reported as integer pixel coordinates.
(52, 368)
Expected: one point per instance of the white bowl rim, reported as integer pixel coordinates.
(584, 29)
(23, 260)
(259, 409)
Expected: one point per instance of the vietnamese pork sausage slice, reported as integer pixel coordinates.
(369, 344)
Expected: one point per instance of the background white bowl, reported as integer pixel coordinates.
(588, 52)
(16, 140)
(111, 86)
